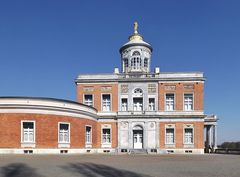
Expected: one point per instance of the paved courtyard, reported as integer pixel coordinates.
(119, 165)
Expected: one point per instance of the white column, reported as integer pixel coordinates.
(215, 137)
(130, 136)
(208, 135)
(119, 137)
(157, 135)
(211, 135)
(145, 136)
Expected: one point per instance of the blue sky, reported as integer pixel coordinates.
(44, 45)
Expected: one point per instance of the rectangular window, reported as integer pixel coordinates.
(188, 102)
(137, 104)
(88, 134)
(151, 104)
(169, 102)
(169, 136)
(106, 102)
(64, 133)
(28, 132)
(88, 100)
(124, 104)
(106, 135)
(188, 136)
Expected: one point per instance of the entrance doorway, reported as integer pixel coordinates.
(137, 137)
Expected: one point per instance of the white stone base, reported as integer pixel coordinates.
(55, 151)
(182, 151)
(92, 151)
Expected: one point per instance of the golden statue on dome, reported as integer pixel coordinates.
(135, 27)
(135, 35)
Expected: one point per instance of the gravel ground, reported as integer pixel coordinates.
(120, 165)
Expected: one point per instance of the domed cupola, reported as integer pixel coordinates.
(136, 54)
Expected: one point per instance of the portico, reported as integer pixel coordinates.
(210, 125)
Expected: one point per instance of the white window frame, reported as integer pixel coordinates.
(126, 105)
(170, 126)
(134, 105)
(86, 142)
(188, 127)
(188, 93)
(34, 132)
(154, 105)
(174, 102)
(85, 100)
(110, 102)
(106, 144)
(69, 133)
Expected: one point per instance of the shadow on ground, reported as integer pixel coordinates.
(96, 170)
(18, 170)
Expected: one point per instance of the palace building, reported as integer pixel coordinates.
(132, 110)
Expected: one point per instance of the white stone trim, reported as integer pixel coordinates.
(193, 98)
(165, 99)
(64, 144)
(180, 81)
(106, 126)
(90, 143)
(56, 151)
(181, 120)
(92, 98)
(46, 106)
(111, 103)
(28, 144)
(170, 126)
(188, 144)
(182, 151)
(107, 120)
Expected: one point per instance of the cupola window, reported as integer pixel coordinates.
(145, 62)
(136, 61)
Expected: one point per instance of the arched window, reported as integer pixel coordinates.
(145, 62)
(136, 61)
(138, 91)
(126, 62)
(136, 53)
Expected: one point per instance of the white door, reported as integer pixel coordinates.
(137, 139)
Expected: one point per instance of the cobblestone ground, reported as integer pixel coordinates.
(120, 165)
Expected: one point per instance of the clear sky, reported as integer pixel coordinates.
(45, 44)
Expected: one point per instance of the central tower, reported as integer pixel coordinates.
(136, 54)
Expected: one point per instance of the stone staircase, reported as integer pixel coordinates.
(138, 151)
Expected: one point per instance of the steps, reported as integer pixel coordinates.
(138, 151)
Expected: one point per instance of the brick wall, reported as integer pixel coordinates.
(179, 128)
(97, 91)
(181, 88)
(46, 130)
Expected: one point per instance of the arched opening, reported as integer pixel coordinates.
(137, 137)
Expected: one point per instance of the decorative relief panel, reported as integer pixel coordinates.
(124, 88)
(124, 125)
(151, 125)
(107, 88)
(106, 126)
(152, 88)
(170, 125)
(189, 86)
(170, 87)
(88, 89)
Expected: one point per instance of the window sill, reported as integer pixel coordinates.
(28, 144)
(188, 145)
(106, 145)
(88, 145)
(170, 145)
(63, 145)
